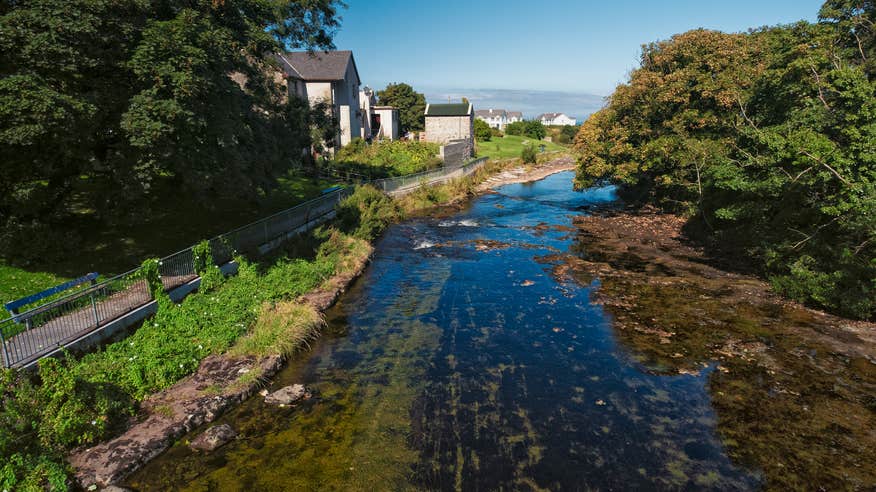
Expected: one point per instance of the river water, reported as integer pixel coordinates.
(459, 362)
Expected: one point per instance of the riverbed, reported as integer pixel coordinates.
(475, 353)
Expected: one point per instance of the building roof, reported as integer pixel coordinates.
(550, 116)
(321, 66)
(458, 109)
(515, 114)
(490, 113)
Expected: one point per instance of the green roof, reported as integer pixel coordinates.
(458, 109)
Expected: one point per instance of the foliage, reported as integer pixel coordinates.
(149, 271)
(205, 267)
(411, 106)
(388, 158)
(532, 129)
(281, 329)
(565, 134)
(124, 93)
(517, 128)
(366, 213)
(482, 131)
(767, 140)
(528, 154)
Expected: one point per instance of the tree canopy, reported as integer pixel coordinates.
(767, 139)
(411, 105)
(100, 98)
(482, 131)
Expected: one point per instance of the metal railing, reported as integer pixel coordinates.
(412, 181)
(28, 336)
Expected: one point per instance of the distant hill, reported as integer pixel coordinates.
(531, 102)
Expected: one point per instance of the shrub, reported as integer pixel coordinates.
(366, 213)
(518, 128)
(382, 159)
(528, 155)
(482, 131)
(534, 129)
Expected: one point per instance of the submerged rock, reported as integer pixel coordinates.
(288, 395)
(214, 438)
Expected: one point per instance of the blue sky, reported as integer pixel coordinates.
(551, 50)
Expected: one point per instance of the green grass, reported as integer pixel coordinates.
(174, 222)
(510, 146)
(16, 283)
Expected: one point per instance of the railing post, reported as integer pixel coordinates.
(7, 363)
(94, 310)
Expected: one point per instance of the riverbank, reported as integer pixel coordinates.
(222, 381)
(793, 387)
(525, 174)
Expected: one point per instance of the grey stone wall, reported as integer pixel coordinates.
(457, 152)
(443, 129)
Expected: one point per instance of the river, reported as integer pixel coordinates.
(459, 361)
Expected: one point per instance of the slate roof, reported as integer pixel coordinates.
(489, 113)
(515, 114)
(458, 109)
(550, 116)
(317, 66)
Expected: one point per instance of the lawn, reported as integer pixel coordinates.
(174, 222)
(510, 146)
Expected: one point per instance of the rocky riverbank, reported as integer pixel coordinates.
(793, 387)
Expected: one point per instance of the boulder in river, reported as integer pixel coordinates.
(288, 395)
(214, 438)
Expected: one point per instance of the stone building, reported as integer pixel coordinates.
(446, 123)
(331, 77)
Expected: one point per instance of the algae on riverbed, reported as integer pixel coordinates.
(352, 434)
(795, 391)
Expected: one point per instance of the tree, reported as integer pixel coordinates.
(534, 129)
(766, 140)
(119, 94)
(482, 131)
(411, 105)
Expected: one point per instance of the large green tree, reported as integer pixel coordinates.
(767, 139)
(411, 105)
(107, 96)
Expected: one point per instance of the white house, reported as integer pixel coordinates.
(498, 118)
(378, 122)
(328, 76)
(556, 119)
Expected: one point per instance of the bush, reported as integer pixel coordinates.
(528, 154)
(482, 131)
(518, 128)
(366, 213)
(383, 159)
(534, 129)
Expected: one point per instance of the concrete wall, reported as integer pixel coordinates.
(389, 122)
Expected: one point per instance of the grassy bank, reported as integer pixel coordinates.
(386, 159)
(175, 222)
(83, 401)
(510, 146)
